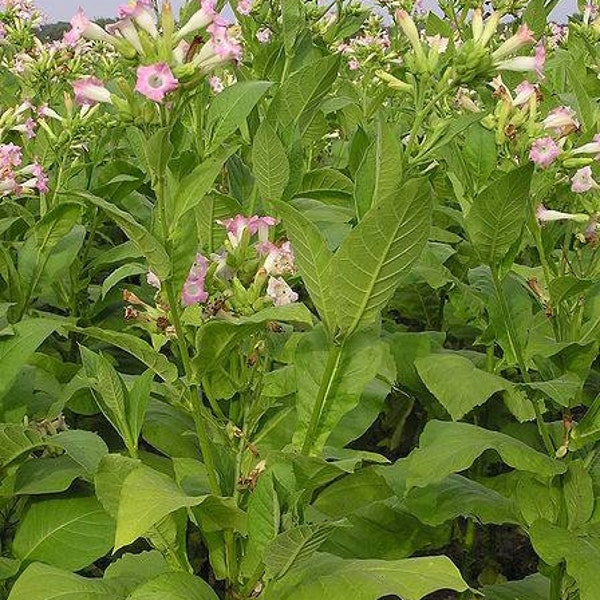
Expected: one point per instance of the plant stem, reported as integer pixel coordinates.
(517, 351)
(321, 399)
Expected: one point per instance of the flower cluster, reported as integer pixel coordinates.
(17, 14)
(370, 49)
(17, 179)
(166, 59)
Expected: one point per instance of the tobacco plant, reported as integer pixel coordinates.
(298, 306)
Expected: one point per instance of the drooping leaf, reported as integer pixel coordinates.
(70, 533)
(373, 258)
(327, 576)
(123, 272)
(44, 582)
(534, 587)
(313, 258)
(15, 440)
(149, 246)
(457, 383)
(229, 110)
(174, 586)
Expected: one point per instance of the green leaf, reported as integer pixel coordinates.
(109, 478)
(16, 350)
(457, 496)
(295, 546)
(174, 586)
(448, 447)
(327, 576)
(9, 567)
(497, 216)
(229, 110)
(138, 399)
(149, 246)
(138, 348)
(84, 447)
(194, 187)
(578, 494)
(534, 587)
(16, 440)
(292, 19)
(480, 154)
(263, 522)
(137, 568)
(43, 582)
(373, 258)
(580, 550)
(214, 207)
(47, 475)
(70, 533)
(300, 95)
(123, 272)
(313, 259)
(380, 172)
(271, 164)
(457, 383)
(146, 497)
(330, 382)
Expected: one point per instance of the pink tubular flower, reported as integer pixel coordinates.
(216, 84)
(89, 91)
(83, 27)
(10, 156)
(244, 7)
(138, 10)
(545, 215)
(193, 289)
(201, 19)
(513, 44)
(523, 92)
(261, 225)
(583, 181)
(353, 64)
(41, 178)
(592, 147)
(264, 35)
(279, 260)
(280, 292)
(544, 152)
(235, 228)
(126, 29)
(561, 120)
(155, 81)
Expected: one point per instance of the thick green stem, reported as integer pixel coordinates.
(321, 399)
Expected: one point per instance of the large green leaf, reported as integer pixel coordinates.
(16, 350)
(47, 475)
(534, 587)
(457, 383)
(327, 576)
(292, 20)
(373, 258)
(174, 586)
(300, 96)
(149, 246)
(70, 533)
(137, 347)
(380, 173)
(271, 164)
(497, 216)
(330, 382)
(313, 259)
(480, 154)
(580, 550)
(448, 447)
(15, 440)
(229, 110)
(43, 582)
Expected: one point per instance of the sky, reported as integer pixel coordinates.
(64, 9)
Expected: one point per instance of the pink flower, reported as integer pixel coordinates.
(8, 184)
(583, 181)
(83, 27)
(89, 91)
(201, 19)
(30, 126)
(264, 35)
(561, 120)
(244, 7)
(153, 280)
(216, 84)
(193, 289)
(280, 292)
(513, 44)
(279, 260)
(353, 64)
(545, 215)
(235, 228)
(41, 178)
(544, 152)
(592, 147)
(540, 60)
(126, 29)
(10, 156)
(261, 225)
(524, 91)
(155, 81)
(138, 11)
